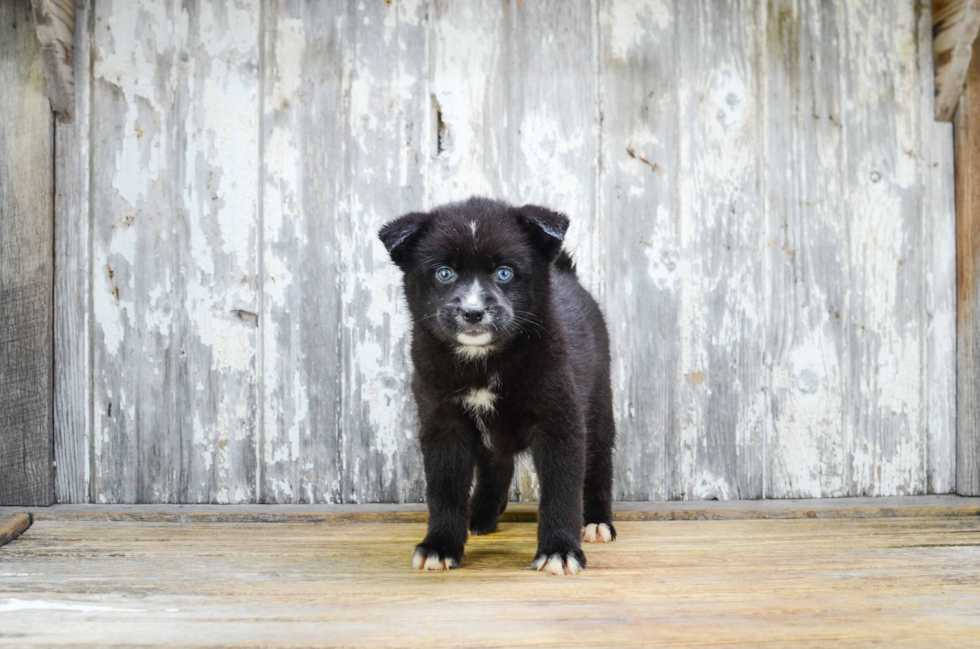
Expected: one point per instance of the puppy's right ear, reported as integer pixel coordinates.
(401, 235)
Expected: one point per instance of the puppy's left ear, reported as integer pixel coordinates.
(545, 228)
(401, 235)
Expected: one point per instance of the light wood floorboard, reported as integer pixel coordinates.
(802, 582)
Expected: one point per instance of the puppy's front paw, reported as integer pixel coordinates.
(429, 557)
(599, 533)
(560, 563)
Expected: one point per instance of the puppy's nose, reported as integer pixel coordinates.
(473, 315)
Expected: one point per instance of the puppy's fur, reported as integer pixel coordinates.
(505, 362)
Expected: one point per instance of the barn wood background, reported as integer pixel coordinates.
(760, 199)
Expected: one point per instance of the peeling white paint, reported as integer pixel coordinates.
(630, 22)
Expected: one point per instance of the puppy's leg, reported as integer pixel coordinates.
(597, 496)
(447, 454)
(493, 476)
(559, 458)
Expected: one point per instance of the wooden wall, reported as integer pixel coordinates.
(760, 201)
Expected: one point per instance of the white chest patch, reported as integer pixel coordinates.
(480, 401)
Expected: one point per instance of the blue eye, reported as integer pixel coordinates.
(445, 274)
(504, 274)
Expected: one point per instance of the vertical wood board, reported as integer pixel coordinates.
(26, 265)
(72, 290)
(639, 236)
(806, 253)
(967, 127)
(718, 452)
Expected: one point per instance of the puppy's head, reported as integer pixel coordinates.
(476, 272)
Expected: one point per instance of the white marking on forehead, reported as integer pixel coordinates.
(473, 228)
(474, 298)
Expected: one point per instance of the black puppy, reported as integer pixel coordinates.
(510, 354)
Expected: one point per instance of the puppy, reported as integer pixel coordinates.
(511, 354)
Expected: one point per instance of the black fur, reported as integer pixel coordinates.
(548, 367)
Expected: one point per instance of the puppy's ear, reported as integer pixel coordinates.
(401, 235)
(545, 228)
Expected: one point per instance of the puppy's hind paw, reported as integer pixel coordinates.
(559, 563)
(428, 558)
(599, 533)
(482, 527)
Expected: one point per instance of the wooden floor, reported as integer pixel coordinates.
(908, 582)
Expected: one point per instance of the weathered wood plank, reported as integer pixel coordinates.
(639, 237)
(26, 264)
(718, 451)
(304, 197)
(135, 268)
(72, 291)
(386, 153)
(55, 22)
(467, 85)
(216, 236)
(967, 134)
(955, 24)
(879, 71)
(676, 510)
(174, 277)
(13, 526)
(938, 215)
(780, 584)
(806, 260)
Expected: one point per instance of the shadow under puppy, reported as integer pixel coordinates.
(510, 354)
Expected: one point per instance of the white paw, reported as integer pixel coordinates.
(555, 565)
(431, 561)
(597, 533)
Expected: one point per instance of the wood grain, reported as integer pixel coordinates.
(967, 129)
(806, 253)
(55, 23)
(26, 264)
(303, 187)
(13, 526)
(386, 154)
(72, 286)
(938, 222)
(638, 241)
(893, 582)
(133, 201)
(216, 295)
(955, 24)
(883, 507)
(886, 427)
(719, 450)
(175, 298)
